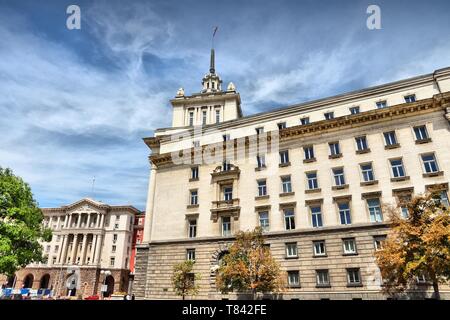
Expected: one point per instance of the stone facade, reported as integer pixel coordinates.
(92, 243)
(364, 149)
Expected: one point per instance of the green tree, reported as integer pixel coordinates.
(249, 266)
(21, 228)
(184, 280)
(418, 245)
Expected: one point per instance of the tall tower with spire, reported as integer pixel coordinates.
(211, 82)
(210, 106)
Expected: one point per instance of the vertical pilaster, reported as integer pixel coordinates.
(83, 249)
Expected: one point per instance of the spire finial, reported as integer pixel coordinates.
(212, 64)
(212, 68)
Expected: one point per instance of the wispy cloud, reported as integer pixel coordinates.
(75, 104)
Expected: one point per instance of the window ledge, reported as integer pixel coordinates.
(291, 258)
(342, 187)
(193, 179)
(313, 190)
(422, 141)
(354, 285)
(190, 206)
(262, 197)
(287, 194)
(350, 254)
(282, 165)
(320, 256)
(392, 146)
(433, 174)
(323, 285)
(293, 286)
(363, 151)
(309, 160)
(397, 179)
(335, 156)
(369, 183)
(260, 168)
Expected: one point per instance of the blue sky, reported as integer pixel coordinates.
(75, 104)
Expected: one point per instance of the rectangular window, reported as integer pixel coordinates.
(226, 137)
(204, 118)
(114, 238)
(262, 188)
(353, 276)
(191, 118)
(344, 213)
(281, 125)
(194, 173)
(192, 229)
(112, 261)
(304, 121)
(190, 254)
(226, 226)
(196, 143)
(316, 216)
(367, 172)
(374, 210)
(289, 219)
(47, 249)
(378, 242)
(444, 198)
(194, 197)
(284, 157)
(54, 260)
(421, 133)
(322, 277)
(293, 278)
(410, 98)
(334, 148)
(397, 168)
(329, 115)
(309, 152)
(429, 163)
(390, 138)
(361, 143)
(264, 220)
(311, 178)
(259, 130)
(113, 248)
(217, 116)
(291, 250)
(349, 246)
(228, 193)
(286, 184)
(354, 110)
(381, 104)
(319, 248)
(56, 249)
(261, 161)
(338, 174)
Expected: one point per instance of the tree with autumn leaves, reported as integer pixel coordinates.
(249, 266)
(184, 280)
(416, 246)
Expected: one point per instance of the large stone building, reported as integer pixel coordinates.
(91, 246)
(314, 176)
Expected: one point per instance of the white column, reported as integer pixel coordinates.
(94, 244)
(74, 249)
(88, 220)
(69, 225)
(79, 221)
(65, 250)
(149, 207)
(58, 221)
(102, 220)
(63, 243)
(98, 249)
(83, 249)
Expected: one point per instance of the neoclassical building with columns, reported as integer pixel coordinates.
(91, 246)
(314, 175)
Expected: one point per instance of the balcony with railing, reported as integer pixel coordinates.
(229, 207)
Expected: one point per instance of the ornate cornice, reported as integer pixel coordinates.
(438, 102)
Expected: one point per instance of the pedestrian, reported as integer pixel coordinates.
(133, 297)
